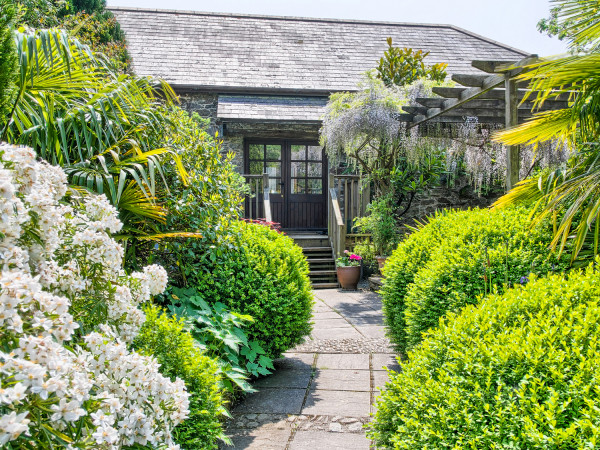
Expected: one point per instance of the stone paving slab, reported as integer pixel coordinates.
(371, 331)
(327, 324)
(295, 361)
(323, 440)
(356, 404)
(259, 439)
(343, 361)
(274, 401)
(380, 377)
(326, 315)
(382, 360)
(342, 380)
(285, 378)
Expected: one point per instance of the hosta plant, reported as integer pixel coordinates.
(67, 315)
(220, 333)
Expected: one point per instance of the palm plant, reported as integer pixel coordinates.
(103, 127)
(570, 195)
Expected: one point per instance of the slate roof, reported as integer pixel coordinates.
(271, 108)
(247, 53)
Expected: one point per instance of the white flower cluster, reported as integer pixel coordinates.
(67, 313)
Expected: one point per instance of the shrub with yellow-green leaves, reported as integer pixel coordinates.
(456, 258)
(518, 371)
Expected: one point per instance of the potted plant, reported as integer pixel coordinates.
(381, 223)
(348, 270)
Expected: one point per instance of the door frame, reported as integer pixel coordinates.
(286, 177)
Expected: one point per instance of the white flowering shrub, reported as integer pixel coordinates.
(67, 315)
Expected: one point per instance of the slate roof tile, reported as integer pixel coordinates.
(245, 52)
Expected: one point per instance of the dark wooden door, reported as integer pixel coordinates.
(297, 179)
(306, 178)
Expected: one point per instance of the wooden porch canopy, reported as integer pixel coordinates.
(493, 97)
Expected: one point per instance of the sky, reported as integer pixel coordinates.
(511, 22)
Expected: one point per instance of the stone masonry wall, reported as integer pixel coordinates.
(459, 196)
(233, 134)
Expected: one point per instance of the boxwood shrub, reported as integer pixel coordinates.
(175, 350)
(261, 273)
(406, 260)
(463, 255)
(518, 371)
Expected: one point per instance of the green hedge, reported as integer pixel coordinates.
(457, 258)
(264, 274)
(404, 263)
(519, 371)
(176, 352)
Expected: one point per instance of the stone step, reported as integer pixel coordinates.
(311, 241)
(316, 249)
(320, 260)
(321, 272)
(375, 283)
(331, 285)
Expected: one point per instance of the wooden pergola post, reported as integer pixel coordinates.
(513, 157)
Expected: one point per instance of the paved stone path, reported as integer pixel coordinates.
(323, 391)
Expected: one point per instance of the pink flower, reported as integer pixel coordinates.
(355, 257)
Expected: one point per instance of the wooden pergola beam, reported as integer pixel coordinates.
(479, 102)
(496, 94)
(466, 112)
(482, 84)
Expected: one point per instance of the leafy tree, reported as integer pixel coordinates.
(571, 195)
(402, 66)
(87, 20)
(8, 56)
(556, 24)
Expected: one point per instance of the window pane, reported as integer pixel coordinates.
(315, 186)
(298, 185)
(273, 169)
(298, 169)
(274, 185)
(256, 151)
(256, 167)
(315, 153)
(315, 169)
(299, 152)
(273, 152)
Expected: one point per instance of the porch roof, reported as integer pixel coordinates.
(240, 53)
(262, 108)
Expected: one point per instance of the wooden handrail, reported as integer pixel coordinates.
(336, 207)
(267, 205)
(255, 206)
(337, 227)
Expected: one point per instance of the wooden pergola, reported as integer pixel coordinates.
(493, 97)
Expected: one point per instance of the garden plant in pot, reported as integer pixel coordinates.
(381, 223)
(348, 270)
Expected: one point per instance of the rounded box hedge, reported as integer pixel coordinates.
(264, 274)
(518, 371)
(455, 259)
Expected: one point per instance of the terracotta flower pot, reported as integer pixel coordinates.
(348, 277)
(381, 262)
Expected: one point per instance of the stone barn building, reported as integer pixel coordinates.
(264, 81)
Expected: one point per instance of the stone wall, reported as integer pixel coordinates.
(233, 134)
(460, 196)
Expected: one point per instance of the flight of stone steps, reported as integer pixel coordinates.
(319, 254)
